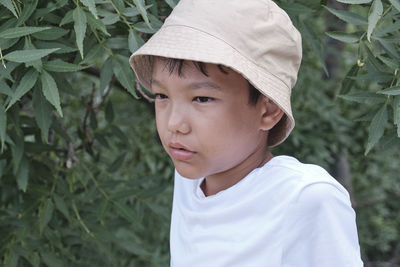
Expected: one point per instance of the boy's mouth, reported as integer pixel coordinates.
(179, 152)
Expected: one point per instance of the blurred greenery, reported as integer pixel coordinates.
(84, 180)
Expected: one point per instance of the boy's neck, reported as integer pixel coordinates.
(215, 183)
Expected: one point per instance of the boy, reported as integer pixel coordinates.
(221, 72)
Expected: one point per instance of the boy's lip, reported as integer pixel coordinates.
(180, 152)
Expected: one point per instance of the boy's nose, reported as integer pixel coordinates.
(177, 121)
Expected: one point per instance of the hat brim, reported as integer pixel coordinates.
(187, 43)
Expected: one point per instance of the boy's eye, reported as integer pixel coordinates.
(160, 96)
(203, 99)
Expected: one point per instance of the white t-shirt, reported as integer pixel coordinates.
(284, 214)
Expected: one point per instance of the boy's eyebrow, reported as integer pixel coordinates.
(195, 85)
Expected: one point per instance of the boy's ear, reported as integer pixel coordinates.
(271, 114)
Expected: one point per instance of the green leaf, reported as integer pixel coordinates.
(396, 111)
(61, 206)
(26, 84)
(68, 18)
(124, 73)
(106, 74)
(140, 5)
(354, 1)
(344, 37)
(52, 33)
(117, 163)
(109, 112)
(171, 3)
(5, 89)
(61, 66)
(21, 31)
(43, 111)
(375, 14)
(17, 151)
(143, 27)
(9, 5)
(96, 24)
(79, 27)
(377, 128)
(349, 17)
(45, 214)
(23, 175)
(3, 126)
(91, 5)
(126, 212)
(51, 260)
(50, 91)
(395, 3)
(28, 10)
(347, 82)
(22, 56)
(390, 62)
(295, 9)
(134, 41)
(364, 98)
(395, 90)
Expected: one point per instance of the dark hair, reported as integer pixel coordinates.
(173, 64)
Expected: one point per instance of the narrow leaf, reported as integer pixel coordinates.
(91, 5)
(354, 1)
(142, 9)
(134, 41)
(364, 98)
(106, 74)
(28, 10)
(61, 206)
(50, 91)
(377, 128)
(124, 73)
(396, 110)
(96, 24)
(52, 33)
(3, 126)
(45, 214)
(395, 90)
(395, 3)
(109, 112)
(22, 56)
(23, 175)
(117, 163)
(17, 151)
(26, 84)
(9, 5)
(21, 31)
(79, 27)
(375, 14)
(51, 260)
(42, 110)
(171, 3)
(349, 17)
(344, 37)
(347, 82)
(61, 66)
(5, 89)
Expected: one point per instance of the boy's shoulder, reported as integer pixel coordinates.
(302, 181)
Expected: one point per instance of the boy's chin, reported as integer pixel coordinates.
(189, 174)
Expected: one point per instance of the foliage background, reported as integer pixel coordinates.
(83, 178)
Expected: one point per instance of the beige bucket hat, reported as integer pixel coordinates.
(256, 38)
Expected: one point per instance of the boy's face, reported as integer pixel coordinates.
(206, 124)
